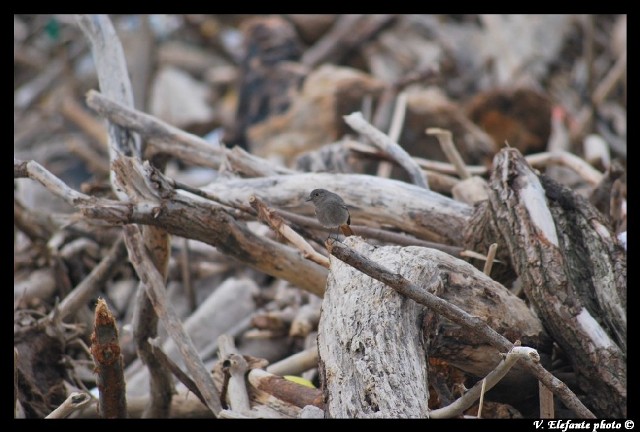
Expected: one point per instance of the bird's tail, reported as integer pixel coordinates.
(346, 230)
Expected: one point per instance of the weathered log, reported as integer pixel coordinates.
(573, 272)
(371, 338)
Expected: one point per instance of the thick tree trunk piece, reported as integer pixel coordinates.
(372, 357)
(364, 329)
(572, 270)
(482, 297)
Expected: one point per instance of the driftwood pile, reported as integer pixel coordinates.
(182, 276)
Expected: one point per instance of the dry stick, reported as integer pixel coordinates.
(450, 151)
(211, 196)
(111, 68)
(386, 236)
(569, 160)
(287, 392)
(250, 165)
(113, 77)
(237, 367)
(277, 223)
(186, 276)
(455, 314)
(491, 255)
(538, 160)
(179, 373)
(391, 148)
(397, 121)
(481, 402)
(296, 364)
(186, 217)
(145, 328)
(37, 172)
(105, 350)
(75, 401)
(92, 283)
(152, 128)
(154, 286)
(546, 401)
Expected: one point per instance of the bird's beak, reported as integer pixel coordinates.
(308, 199)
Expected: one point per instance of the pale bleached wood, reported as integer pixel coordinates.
(237, 367)
(371, 200)
(114, 81)
(296, 364)
(477, 391)
(154, 284)
(422, 294)
(370, 342)
(182, 214)
(389, 147)
(74, 402)
(230, 303)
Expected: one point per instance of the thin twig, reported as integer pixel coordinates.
(179, 373)
(92, 283)
(237, 367)
(296, 363)
(386, 145)
(481, 402)
(149, 126)
(450, 151)
(477, 391)
(546, 401)
(395, 129)
(74, 402)
(278, 224)
(488, 264)
(154, 286)
(538, 160)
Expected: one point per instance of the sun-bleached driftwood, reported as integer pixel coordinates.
(573, 271)
(74, 402)
(377, 309)
(154, 286)
(113, 78)
(231, 302)
(236, 367)
(157, 203)
(370, 343)
(389, 147)
(371, 200)
(422, 294)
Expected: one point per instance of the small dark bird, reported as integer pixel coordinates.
(331, 210)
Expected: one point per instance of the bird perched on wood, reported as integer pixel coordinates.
(331, 210)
